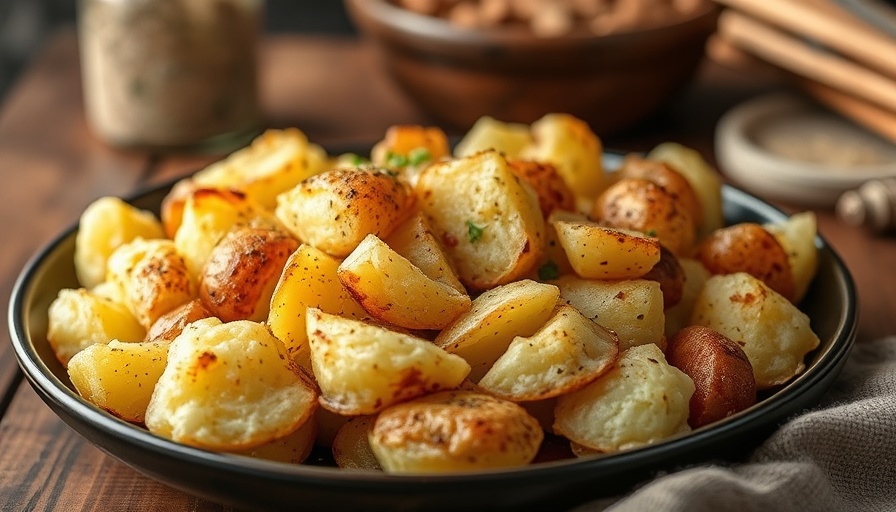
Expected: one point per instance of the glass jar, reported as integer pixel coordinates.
(171, 74)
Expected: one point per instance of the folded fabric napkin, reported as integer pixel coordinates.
(839, 456)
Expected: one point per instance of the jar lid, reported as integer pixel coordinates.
(787, 148)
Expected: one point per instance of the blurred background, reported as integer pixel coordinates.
(25, 25)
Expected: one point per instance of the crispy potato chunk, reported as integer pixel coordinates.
(454, 431)
(171, 324)
(395, 291)
(640, 401)
(291, 449)
(569, 145)
(363, 368)
(335, 210)
(229, 387)
(239, 277)
(705, 181)
(488, 220)
(106, 224)
(748, 247)
(410, 143)
(489, 133)
(633, 309)
(566, 354)
(774, 334)
(642, 205)
(308, 280)
(276, 161)
(496, 317)
(553, 193)
(414, 239)
(722, 374)
(679, 315)
(598, 252)
(797, 237)
(666, 176)
(119, 377)
(351, 447)
(80, 318)
(151, 277)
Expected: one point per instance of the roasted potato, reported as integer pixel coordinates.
(706, 182)
(566, 354)
(454, 431)
(679, 315)
(488, 220)
(229, 386)
(487, 132)
(797, 237)
(642, 205)
(335, 210)
(363, 368)
(667, 177)
(748, 247)
(641, 400)
(568, 144)
(151, 277)
(171, 324)
(80, 318)
(119, 377)
(308, 280)
(775, 335)
(415, 240)
(598, 252)
(410, 145)
(722, 374)
(496, 317)
(395, 291)
(671, 276)
(632, 308)
(552, 191)
(238, 279)
(351, 447)
(106, 224)
(290, 449)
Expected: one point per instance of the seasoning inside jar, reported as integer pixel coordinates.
(171, 73)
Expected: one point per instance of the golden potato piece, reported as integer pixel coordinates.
(569, 145)
(642, 205)
(666, 176)
(363, 368)
(410, 144)
(797, 237)
(171, 324)
(290, 449)
(80, 318)
(229, 387)
(496, 317)
(566, 354)
(276, 161)
(679, 315)
(488, 220)
(552, 191)
(151, 277)
(239, 277)
(633, 309)
(748, 247)
(308, 280)
(351, 447)
(395, 291)
(119, 377)
(454, 431)
(775, 335)
(106, 224)
(333, 211)
(489, 133)
(706, 182)
(414, 239)
(640, 401)
(598, 252)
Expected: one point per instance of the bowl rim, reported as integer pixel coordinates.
(771, 410)
(385, 14)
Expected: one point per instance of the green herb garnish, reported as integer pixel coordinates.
(548, 271)
(396, 160)
(474, 232)
(651, 232)
(418, 156)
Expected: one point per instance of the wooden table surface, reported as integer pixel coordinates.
(52, 167)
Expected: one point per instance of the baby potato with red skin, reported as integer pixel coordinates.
(722, 374)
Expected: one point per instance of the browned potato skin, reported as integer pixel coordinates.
(669, 273)
(722, 374)
(241, 273)
(553, 193)
(642, 205)
(664, 175)
(748, 247)
(171, 324)
(173, 204)
(402, 139)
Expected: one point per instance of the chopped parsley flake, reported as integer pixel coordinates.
(396, 160)
(418, 156)
(548, 271)
(474, 232)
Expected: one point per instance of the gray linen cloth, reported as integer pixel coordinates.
(839, 456)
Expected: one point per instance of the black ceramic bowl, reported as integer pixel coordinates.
(256, 484)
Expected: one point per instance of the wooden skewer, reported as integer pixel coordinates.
(787, 52)
(828, 24)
